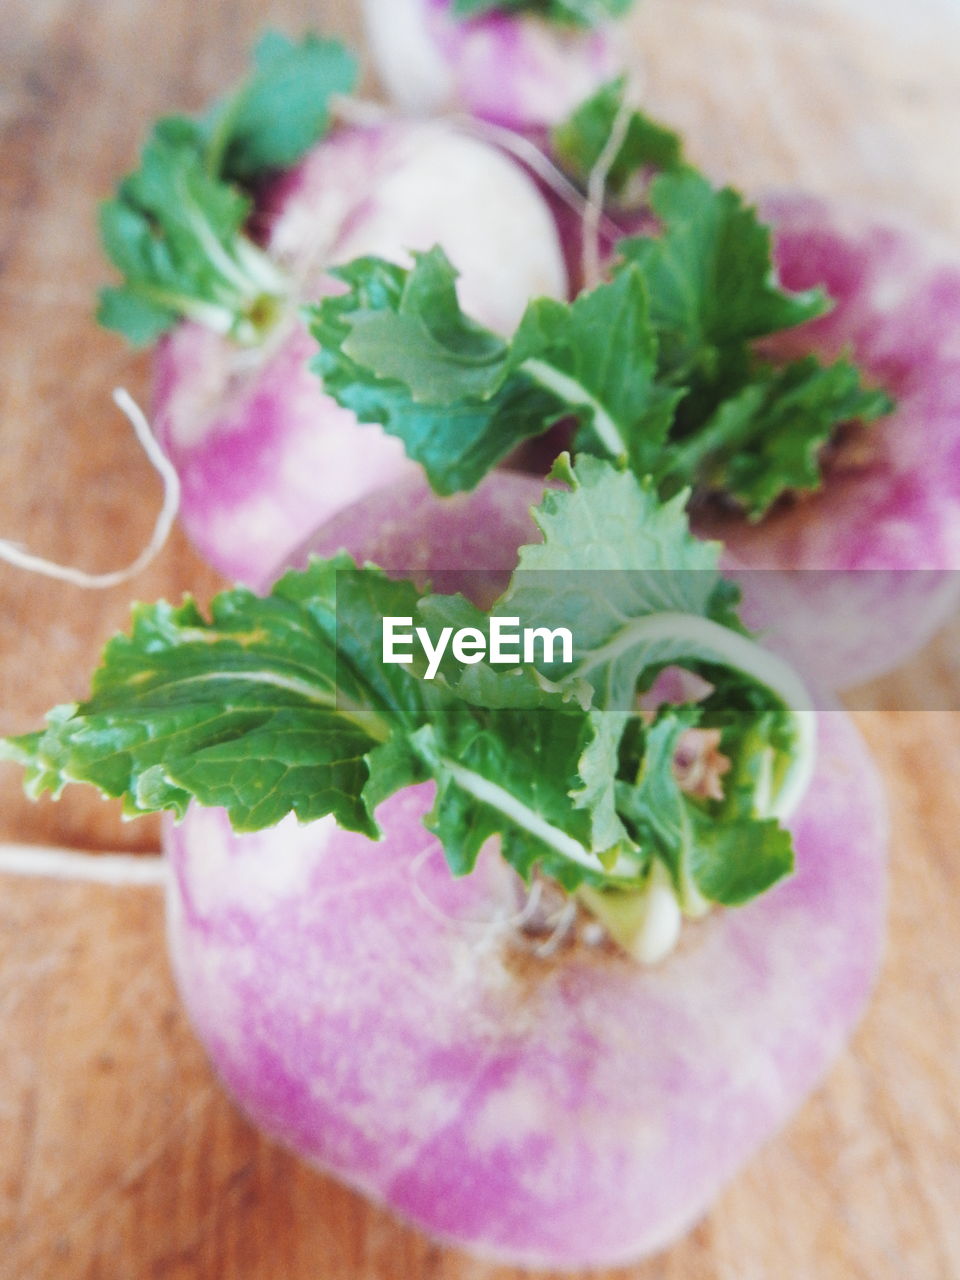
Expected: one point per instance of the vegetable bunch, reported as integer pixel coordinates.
(663, 766)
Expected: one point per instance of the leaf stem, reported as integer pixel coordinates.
(522, 815)
(574, 393)
(364, 718)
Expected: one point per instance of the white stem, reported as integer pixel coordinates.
(94, 868)
(15, 555)
(647, 922)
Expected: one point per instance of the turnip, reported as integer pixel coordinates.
(873, 547)
(497, 1061)
(263, 454)
(520, 65)
(398, 1028)
(801, 377)
(412, 1035)
(880, 542)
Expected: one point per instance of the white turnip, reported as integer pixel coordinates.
(552, 1106)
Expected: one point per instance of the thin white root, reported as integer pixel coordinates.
(114, 869)
(529, 153)
(596, 194)
(495, 925)
(15, 555)
(561, 930)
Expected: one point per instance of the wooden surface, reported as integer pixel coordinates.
(119, 1156)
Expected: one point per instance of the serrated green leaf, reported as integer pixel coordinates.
(614, 560)
(175, 234)
(427, 342)
(482, 793)
(267, 708)
(457, 444)
(398, 350)
(713, 855)
(777, 427)
(598, 767)
(710, 278)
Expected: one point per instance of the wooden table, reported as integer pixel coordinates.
(120, 1158)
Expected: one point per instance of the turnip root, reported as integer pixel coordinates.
(516, 69)
(547, 1105)
(263, 454)
(883, 534)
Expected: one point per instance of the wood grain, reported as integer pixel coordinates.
(119, 1155)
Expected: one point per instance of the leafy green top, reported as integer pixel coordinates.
(175, 229)
(282, 704)
(578, 13)
(658, 365)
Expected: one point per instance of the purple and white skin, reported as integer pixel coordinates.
(263, 454)
(883, 534)
(557, 1106)
(515, 70)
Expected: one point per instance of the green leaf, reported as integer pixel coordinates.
(710, 854)
(580, 140)
(609, 350)
(614, 563)
(710, 280)
(740, 427)
(281, 110)
(176, 235)
(580, 13)
(269, 707)
(456, 444)
(481, 792)
(398, 350)
(176, 228)
(656, 366)
(769, 437)
(598, 767)
(480, 683)
(426, 341)
(734, 862)
(133, 314)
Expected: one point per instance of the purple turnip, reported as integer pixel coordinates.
(262, 452)
(879, 544)
(516, 69)
(551, 1105)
